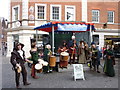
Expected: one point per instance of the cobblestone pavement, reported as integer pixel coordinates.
(62, 79)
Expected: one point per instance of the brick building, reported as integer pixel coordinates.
(24, 15)
(3, 33)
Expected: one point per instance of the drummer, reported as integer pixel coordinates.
(73, 52)
(63, 48)
(34, 58)
(47, 54)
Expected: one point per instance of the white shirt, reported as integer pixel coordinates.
(21, 53)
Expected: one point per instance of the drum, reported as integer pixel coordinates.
(38, 66)
(52, 61)
(40, 71)
(64, 58)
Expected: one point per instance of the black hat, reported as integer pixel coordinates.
(20, 44)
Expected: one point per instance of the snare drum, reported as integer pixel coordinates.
(52, 61)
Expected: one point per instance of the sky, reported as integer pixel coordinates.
(4, 8)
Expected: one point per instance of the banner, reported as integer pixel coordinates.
(72, 27)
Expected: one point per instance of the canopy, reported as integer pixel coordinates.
(66, 26)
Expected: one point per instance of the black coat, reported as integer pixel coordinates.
(16, 58)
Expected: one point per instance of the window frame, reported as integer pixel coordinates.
(113, 17)
(13, 12)
(36, 9)
(97, 16)
(60, 8)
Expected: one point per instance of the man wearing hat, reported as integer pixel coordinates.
(17, 60)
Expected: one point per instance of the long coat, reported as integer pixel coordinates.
(108, 65)
(81, 55)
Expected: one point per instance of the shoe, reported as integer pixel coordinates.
(18, 87)
(98, 71)
(36, 77)
(27, 83)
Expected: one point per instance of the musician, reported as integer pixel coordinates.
(18, 60)
(47, 54)
(81, 52)
(63, 48)
(95, 58)
(34, 58)
(72, 52)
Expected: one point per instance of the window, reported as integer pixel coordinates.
(16, 13)
(95, 16)
(69, 13)
(55, 13)
(110, 17)
(40, 11)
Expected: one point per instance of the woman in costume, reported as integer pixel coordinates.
(81, 53)
(109, 62)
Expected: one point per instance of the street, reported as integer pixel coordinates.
(62, 79)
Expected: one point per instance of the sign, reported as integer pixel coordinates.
(78, 71)
(70, 13)
(31, 9)
(72, 27)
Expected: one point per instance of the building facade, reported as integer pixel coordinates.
(3, 33)
(24, 15)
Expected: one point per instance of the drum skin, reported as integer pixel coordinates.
(52, 61)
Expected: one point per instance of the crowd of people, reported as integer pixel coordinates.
(80, 54)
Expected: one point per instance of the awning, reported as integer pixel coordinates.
(66, 26)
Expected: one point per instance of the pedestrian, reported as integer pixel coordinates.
(81, 52)
(109, 63)
(46, 55)
(18, 60)
(34, 58)
(95, 58)
(86, 51)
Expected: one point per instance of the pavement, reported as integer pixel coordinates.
(62, 79)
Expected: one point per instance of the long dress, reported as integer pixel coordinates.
(108, 65)
(81, 55)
